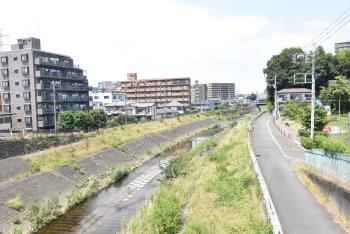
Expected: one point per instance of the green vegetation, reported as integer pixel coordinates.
(118, 173)
(295, 110)
(82, 120)
(41, 214)
(337, 94)
(328, 144)
(15, 203)
(215, 194)
(108, 138)
(16, 229)
(328, 67)
(90, 187)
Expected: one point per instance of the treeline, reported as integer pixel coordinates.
(328, 66)
(82, 120)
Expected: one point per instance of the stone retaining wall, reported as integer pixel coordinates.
(62, 181)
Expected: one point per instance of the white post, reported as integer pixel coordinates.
(313, 95)
(276, 97)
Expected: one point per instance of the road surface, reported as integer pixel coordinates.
(297, 209)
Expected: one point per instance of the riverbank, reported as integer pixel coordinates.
(69, 185)
(213, 193)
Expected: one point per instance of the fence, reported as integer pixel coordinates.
(337, 165)
(284, 130)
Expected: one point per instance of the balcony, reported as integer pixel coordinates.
(48, 110)
(63, 87)
(55, 63)
(62, 99)
(43, 123)
(59, 75)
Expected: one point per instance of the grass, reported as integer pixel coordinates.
(302, 170)
(216, 194)
(15, 203)
(341, 121)
(91, 187)
(101, 140)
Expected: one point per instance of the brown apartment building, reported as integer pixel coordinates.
(160, 91)
(34, 82)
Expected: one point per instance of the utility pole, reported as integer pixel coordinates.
(313, 94)
(276, 103)
(54, 105)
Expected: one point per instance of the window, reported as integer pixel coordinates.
(15, 71)
(18, 107)
(19, 120)
(6, 96)
(7, 108)
(25, 83)
(105, 97)
(5, 84)
(26, 95)
(16, 83)
(95, 97)
(4, 60)
(28, 120)
(25, 70)
(18, 95)
(27, 107)
(5, 72)
(15, 58)
(24, 57)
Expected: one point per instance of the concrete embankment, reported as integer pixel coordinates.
(62, 181)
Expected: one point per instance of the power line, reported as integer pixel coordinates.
(342, 26)
(334, 25)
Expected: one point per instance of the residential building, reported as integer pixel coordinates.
(342, 46)
(176, 107)
(35, 82)
(159, 91)
(102, 86)
(99, 100)
(221, 91)
(118, 96)
(147, 110)
(294, 94)
(199, 93)
(5, 121)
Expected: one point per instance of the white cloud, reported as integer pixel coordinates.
(155, 38)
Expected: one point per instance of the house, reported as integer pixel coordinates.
(142, 109)
(115, 108)
(294, 94)
(165, 113)
(176, 107)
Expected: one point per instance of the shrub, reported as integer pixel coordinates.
(294, 110)
(304, 133)
(307, 143)
(165, 216)
(118, 173)
(329, 145)
(90, 188)
(41, 214)
(35, 168)
(15, 203)
(320, 119)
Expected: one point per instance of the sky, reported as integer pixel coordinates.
(207, 40)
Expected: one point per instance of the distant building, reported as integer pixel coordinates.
(199, 93)
(103, 85)
(147, 110)
(294, 94)
(33, 80)
(221, 91)
(342, 46)
(159, 91)
(98, 100)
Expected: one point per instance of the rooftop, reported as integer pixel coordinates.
(294, 90)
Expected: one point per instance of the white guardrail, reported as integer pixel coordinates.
(270, 208)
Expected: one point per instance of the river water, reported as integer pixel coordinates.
(114, 206)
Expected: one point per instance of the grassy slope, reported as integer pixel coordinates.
(114, 137)
(216, 194)
(341, 121)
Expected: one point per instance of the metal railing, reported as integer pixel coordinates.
(337, 165)
(270, 208)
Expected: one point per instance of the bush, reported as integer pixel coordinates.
(294, 110)
(118, 173)
(304, 133)
(41, 214)
(307, 143)
(165, 216)
(320, 119)
(15, 203)
(329, 145)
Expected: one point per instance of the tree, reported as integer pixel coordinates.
(320, 119)
(252, 96)
(336, 93)
(98, 118)
(66, 120)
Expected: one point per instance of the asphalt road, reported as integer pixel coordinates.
(297, 209)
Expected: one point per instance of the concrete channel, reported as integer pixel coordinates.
(111, 208)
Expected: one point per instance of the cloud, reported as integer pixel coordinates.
(155, 38)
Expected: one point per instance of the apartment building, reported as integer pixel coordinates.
(199, 93)
(221, 91)
(159, 91)
(342, 46)
(35, 82)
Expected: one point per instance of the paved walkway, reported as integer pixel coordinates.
(297, 209)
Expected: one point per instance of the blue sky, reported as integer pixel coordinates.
(210, 41)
